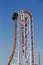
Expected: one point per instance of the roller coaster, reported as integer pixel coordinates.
(23, 48)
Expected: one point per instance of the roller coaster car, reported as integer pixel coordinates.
(15, 16)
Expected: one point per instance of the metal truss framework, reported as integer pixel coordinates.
(23, 50)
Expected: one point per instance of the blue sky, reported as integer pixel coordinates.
(7, 7)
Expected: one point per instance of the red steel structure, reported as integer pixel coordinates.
(24, 17)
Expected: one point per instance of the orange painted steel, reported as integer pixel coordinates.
(23, 38)
(14, 45)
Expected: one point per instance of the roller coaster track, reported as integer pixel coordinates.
(32, 38)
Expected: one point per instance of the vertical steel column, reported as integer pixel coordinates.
(32, 35)
(39, 56)
(32, 38)
(23, 38)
